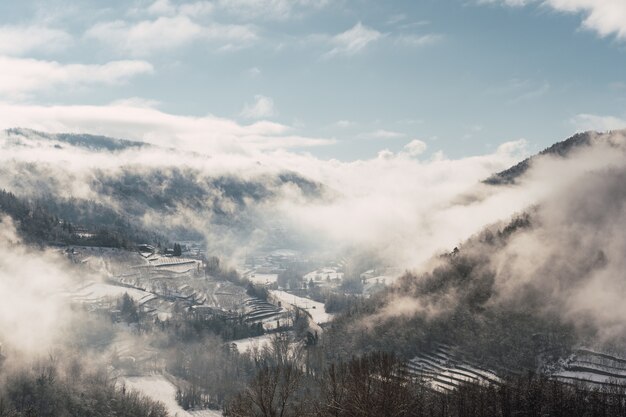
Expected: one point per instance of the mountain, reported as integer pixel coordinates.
(40, 222)
(506, 320)
(560, 149)
(96, 181)
(523, 293)
(86, 141)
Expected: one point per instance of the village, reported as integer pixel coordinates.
(184, 284)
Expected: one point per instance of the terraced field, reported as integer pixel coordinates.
(445, 368)
(589, 366)
(260, 310)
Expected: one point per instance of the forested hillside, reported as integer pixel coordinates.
(46, 221)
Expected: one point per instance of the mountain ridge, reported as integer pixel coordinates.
(560, 149)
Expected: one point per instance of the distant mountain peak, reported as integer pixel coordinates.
(560, 149)
(82, 140)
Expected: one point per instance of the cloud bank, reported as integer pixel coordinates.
(32, 317)
(20, 77)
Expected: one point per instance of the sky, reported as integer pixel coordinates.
(343, 79)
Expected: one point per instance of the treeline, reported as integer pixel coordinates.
(101, 219)
(194, 327)
(51, 390)
(375, 385)
(186, 325)
(72, 222)
(210, 372)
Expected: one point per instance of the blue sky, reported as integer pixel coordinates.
(337, 79)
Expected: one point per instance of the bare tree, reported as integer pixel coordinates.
(277, 380)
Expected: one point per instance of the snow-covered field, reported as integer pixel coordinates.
(259, 342)
(159, 388)
(444, 369)
(95, 291)
(316, 309)
(174, 264)
(594, 367)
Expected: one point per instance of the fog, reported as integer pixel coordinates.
(574, 254)
(568, 263)
(402, 208)
(33, 312)
(397, 204)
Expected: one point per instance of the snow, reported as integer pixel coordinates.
(316, 309)
(442, 369)
(587, 376)
(244, 345)
(204, 413)
(97, 290)
(323, 273)
(592, 366)
(163, 315)
(286, 253)
(590, 351)
(160, 389)
(263, 278)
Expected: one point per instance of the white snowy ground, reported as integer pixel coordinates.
(583, 376)
(259, 342)
(443, 370)
(316, 309)
(322, 273)
(95, 291)
(594, 367)
(263, 278)
(160, 389)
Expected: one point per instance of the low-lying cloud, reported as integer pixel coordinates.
(33, 311)
(400, 206)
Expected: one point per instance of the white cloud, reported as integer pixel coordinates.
(167, 33)
(161, 7)
(415, 148)
(512, 3)
(136, 102)
(262, 107)
(270, 9)
(353, 40)
(381, 134)
(207, 134)
(605, 17)
(385, 202)
(374, 206)
(418, 40)
(20, 77)
(516, 148)
(585, 122)
(32, 318)
(20, 40)
(344, 124)
(385, 154)
(166, 8)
